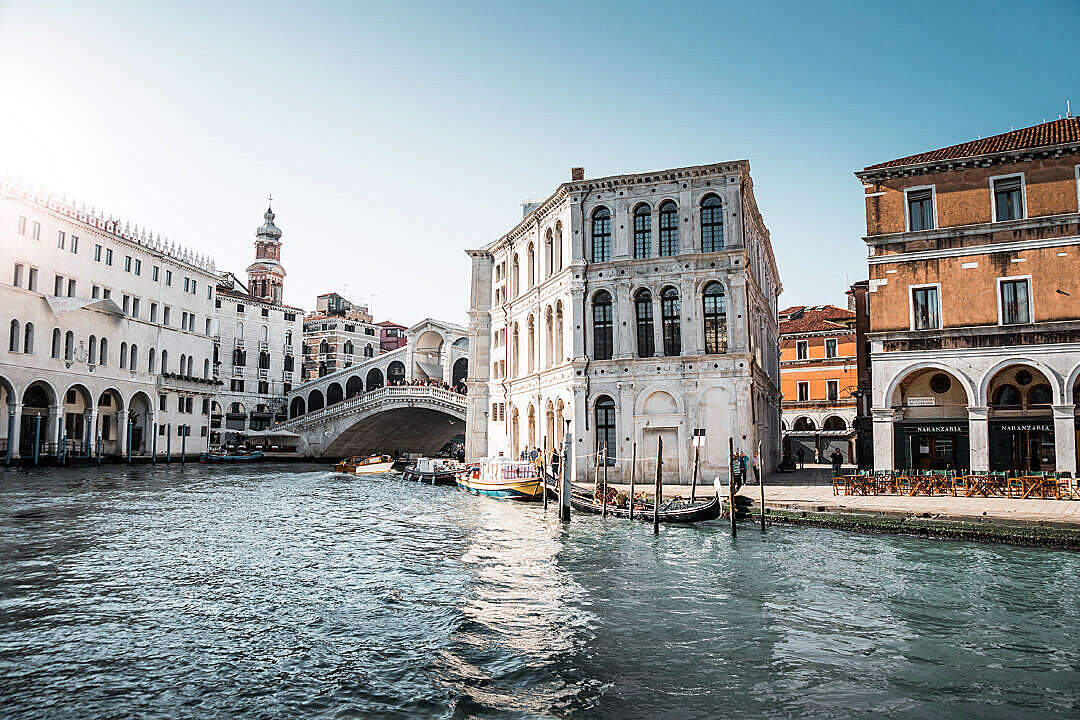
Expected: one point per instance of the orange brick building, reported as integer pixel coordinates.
(974, 301)
(817, 377)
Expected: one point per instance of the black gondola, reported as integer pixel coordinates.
(700, 511)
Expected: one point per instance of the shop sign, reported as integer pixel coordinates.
(921, 401)
(933, 428)
(1026, 427)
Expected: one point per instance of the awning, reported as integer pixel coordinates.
(270, 433)
(60, 305)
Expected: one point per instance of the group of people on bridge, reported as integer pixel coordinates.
(458, 387)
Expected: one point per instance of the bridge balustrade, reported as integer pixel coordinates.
(373, 397)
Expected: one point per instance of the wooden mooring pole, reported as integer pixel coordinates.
(759, 471)
(659, 485)
(731, 484)
(603, 507)
(633, 469)
(564, 478)
(693, 482)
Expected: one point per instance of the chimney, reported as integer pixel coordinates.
(577, 173)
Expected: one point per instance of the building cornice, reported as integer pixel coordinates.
(986, 249)
(973, 161)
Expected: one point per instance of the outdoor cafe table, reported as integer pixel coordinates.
(1043, 487)
(979, 485)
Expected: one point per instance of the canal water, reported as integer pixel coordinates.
(277, 591)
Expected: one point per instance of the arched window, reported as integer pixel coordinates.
(151, 361)
(834, 423)
(369, 351)
(324, 347)
(532, 265)
(714, 317)
(164, 362)
(69, 346)
(669, 313)
(532, 344)
(264, 360)
(549, 337)
(56, 344)
(123, 355)
(103, 353)
(559, 356)
(549, 253)
(603, 335)
(1040, 395)
(515, 277)
(601, 235)
(348, 347)
(642, 231)
(28, 339)
(515, 356)
(265, 334)
(91, 354)
(190, 366)
(712, 224)
(182, 370)
(803, 424)
(288, 337)
(133, 363)
(322, 369)
(643, 313)
(240, 330)
(558, 246)
(669, 229)
(1007, 396)
(206, 368)
(605, 427)
(13, 337)
(289, 363)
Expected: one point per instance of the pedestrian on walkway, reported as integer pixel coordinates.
(837, 462)
(802, 458)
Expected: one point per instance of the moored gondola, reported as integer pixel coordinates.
(673, 511)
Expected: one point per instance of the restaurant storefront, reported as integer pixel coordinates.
(937, 445)
(1022, 445)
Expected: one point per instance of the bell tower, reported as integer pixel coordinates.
(266, 276)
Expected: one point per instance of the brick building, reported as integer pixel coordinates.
(817, 378)
(391, 335)
(337, 334)
(974, 301)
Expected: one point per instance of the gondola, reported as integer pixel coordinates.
(434, 471)
(233, 457)
(699, 511)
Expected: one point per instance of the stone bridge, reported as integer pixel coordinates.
(374, 405)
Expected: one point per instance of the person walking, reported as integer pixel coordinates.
(802, 458)
(837, 462)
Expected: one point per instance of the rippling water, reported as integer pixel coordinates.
(271, 592)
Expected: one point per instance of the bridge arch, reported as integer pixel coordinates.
(315, 401)
(395, 373)
(297, 407)
(374, 379)
(334, 394)
(353, 386)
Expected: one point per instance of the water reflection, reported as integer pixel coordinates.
(277, 591)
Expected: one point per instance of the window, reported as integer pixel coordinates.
(28, 339)
(1014, 301)
(95, 292)
(103, 354)
(71, 287)
(802, 349)
(61, 240)
(97, 253)
(830, 347)
(165, 315)
(22, 225)
(832, 390)
(16, 279)
(108, 256)
(168, 278)
(123, 355)
(69, 346)
(74, 244)
(715, 318)
(127, 305)
(138, 266)
(127, 263)
(601, 235)
(642, 233)
(56, 343)
(605, 427)
(920, 208)
(1008, 197)
(603, 339)
(162, 399)
(36, 234)
(31, 279)
(133, 364)
(154, 273)
(13, 337)
(669, 315)
(135, 307)
(106, 293)
(153, 312)
(239, 308)
(712, 224)
(58, 285)
(643, 313)
(803, 389)
(264, 387)
(91, 353)
(265, 312)
(669, 229)
(925, 312)
(236, 385)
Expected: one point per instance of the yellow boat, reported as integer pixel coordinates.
(504, 479)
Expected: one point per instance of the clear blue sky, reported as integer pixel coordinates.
(394, 136)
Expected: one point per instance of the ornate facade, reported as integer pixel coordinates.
(633, 307)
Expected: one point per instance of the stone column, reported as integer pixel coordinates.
(624, 319)
(14, 411)
(122, 431)
(979, 438)
(579, 464)
(51, 426)
(884, 451)
(90, 422)
(1065, 438)
(576, 322)
(624, 428)
(691, 336)
(658, 324)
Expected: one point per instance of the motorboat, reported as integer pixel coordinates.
(503, 478)
(436, 471)
(365, 465)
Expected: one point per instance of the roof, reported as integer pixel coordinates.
(801, 319)
(1048, 134)
(229, 292)
(388, 323)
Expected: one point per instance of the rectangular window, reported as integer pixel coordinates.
(162, 399)
(154, 273)
(802, 350)
(127, 263)
(58, 285)
(108, 256)
(106, 293)
(804, 391)
(207, 326)
(71, 288)
(921, 209)
(16, 279)
(61, 240)
(186, 283)
(168, 278)
(1015, 301)
(830, 347)
(138, 266)
(236, 385)
(239, 308)
(264, 387)
(134, 307)
(97, 253)
(22, 225)
(832, 390)
(1008, 198)
(165, 315)
(127, 305)
(153, 312)
(95, 292)
(36, 234)
(209, 292)
(265, 312)
(74, 244)
(194, 287)
(925, 310)
(31, 279)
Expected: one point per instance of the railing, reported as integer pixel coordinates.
(187, 383)
(264, 345)
(264, 373)
(374, 397)
(238, 342)
(286, 375)
(238, 371)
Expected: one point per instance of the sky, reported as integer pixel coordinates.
(394, 136)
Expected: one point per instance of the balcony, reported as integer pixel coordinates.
(264, 345)
(286, 375)
(238, 342)
(187, 384)
(238, 371)
(217, 339)
(264, 374)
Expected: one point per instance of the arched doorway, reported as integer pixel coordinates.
(933, 434)
(76, 413)
(1022, 438)
(395, 373)
(427, 355)
(354, 386)
(37, 400)
(109, 433)
(141, 418)
(374, 379)
(461, 371)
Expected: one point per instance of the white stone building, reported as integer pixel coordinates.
(636, 307)
(109, 333)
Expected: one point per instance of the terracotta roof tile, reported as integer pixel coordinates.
(822, 318)
(1055, 132)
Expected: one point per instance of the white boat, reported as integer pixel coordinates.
(502, 478)
(437, 471)
(365, 465)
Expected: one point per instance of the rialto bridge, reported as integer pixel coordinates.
(395, 402)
